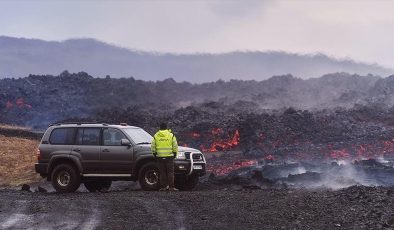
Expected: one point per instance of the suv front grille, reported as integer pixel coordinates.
(196, 156)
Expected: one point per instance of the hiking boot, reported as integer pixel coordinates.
(164, 189)
(174, 189)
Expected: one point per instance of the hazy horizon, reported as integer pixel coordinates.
(357, 30)
(21, 57)
(161, 53)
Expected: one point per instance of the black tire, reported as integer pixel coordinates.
(65, 178)
(148, 177)
(186, 183)
(97, 185)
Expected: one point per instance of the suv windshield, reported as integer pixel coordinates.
(139, 136)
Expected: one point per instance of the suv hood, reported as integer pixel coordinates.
(180, 148)
(187, 149)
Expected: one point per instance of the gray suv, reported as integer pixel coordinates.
(97, 154)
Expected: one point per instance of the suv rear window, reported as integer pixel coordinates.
(88, 136)
(62, 136)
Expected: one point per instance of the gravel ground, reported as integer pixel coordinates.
(226, 208)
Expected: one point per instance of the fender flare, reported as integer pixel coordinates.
(56, 158)
(141, 161)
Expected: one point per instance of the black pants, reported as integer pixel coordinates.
(166, 170)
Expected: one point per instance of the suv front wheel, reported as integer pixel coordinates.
(65, 178)
(149, 177)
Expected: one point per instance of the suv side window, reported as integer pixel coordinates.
(113, 137)
(62, 136)
(88, 136)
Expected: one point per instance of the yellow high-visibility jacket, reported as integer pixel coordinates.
(164, 144)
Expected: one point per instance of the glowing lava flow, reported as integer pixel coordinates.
(221, 144)
(20, 103)
(363, 151)
(9, 105)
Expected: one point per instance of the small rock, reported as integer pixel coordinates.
(385, 224)
(257, 175)
(41, 189)
(26, 187)
(211, 177)
(252, 187)
(390, 222)
(337, 225)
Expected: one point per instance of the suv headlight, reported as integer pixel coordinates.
(181, 155)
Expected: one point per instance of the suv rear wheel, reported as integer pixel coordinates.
(98, 185)
(149, 177)
(65, 178)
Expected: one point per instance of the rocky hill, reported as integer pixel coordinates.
(334, 116)
(40, 100)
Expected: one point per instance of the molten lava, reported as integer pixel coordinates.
(269, 158)
(20, 103)
(9, 105)
(339, 154)
(196, 135)
(216, 131)
(219, 144)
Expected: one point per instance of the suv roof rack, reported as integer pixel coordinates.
(77, 123)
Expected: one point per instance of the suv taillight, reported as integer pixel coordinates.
(38, 155)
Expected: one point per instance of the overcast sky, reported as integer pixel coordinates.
(359, 29)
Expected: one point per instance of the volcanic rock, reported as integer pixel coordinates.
(41, 189)
(251, 187)
(369, 163)
(308, 176)
(25, 187)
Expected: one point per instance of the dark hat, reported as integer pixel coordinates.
(163, 126)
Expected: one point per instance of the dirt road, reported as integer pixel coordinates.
(352, 208)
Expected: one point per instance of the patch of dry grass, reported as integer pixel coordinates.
(4, 126)
(17, 158)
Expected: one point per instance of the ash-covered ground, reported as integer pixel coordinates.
(356, 207)
(243, 194)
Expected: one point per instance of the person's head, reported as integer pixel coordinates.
(163, 126)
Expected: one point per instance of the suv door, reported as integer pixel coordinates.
(115, 157)
(87, 147)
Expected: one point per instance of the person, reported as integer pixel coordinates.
(165, 148)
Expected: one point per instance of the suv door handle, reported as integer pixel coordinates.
(105, 150)
(77, 150)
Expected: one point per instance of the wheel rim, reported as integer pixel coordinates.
(63, 178)
(151, 177)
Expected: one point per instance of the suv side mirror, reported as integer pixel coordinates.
(125, 142)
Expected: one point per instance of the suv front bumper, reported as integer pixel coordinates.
(194, 164)
(186, 167)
